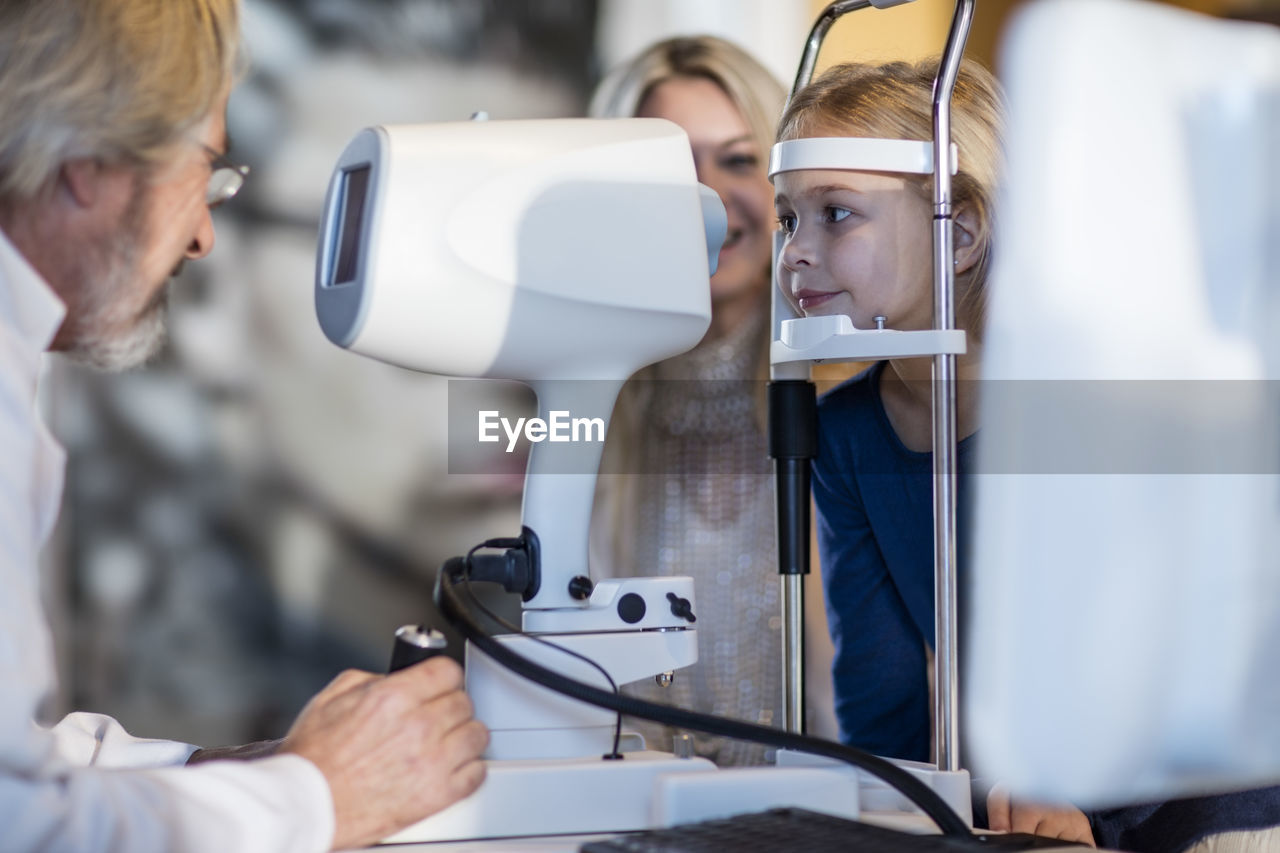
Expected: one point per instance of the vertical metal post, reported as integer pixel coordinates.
(793, 501)
(809, 58)
(946, 669)
(793, 653)
(793, 442)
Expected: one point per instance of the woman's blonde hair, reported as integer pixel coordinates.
(753, 90)
(895, 101)
(759, 97)
(115, 80)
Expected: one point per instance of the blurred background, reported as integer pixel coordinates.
(256, 510)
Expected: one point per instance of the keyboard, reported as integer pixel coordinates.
(791, 830)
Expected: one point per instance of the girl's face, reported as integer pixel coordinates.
(729, 161)
(857, 243)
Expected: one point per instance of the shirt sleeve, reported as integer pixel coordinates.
(879, 673)
(279, 804)
(84, 739)
(86, 785)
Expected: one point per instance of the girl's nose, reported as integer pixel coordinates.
(796, 252)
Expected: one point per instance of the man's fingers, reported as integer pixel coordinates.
(431, 678)
(448, 712)
(464, 781)
(466, 743)
(463, 746)
(343, 682)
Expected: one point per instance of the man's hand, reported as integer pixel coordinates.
(394, 748)
(1004, 814)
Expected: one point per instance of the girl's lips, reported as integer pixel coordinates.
(807, 299)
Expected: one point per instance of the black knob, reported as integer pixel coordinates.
(415, 643)
(631, 608)
(580, 587)
(681, 607)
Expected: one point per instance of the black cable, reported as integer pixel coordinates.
(515, 629)
(912, 788)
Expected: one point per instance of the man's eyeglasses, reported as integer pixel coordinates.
(225, 178)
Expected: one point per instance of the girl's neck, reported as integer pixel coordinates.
(906, 388)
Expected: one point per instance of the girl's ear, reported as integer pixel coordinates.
(965, 230)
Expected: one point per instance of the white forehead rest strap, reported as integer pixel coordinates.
(856, 154)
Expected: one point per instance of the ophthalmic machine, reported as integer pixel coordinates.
(567, 254)
(564, 254)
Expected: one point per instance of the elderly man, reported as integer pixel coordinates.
(112, 150)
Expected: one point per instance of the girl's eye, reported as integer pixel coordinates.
(836, 214)
(787, 222)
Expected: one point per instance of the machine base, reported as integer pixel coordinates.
(556, 797)
(884, 805)
(644, 790)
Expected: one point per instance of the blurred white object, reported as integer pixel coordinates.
(1123, 638)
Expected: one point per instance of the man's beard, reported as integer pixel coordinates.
(111, 334)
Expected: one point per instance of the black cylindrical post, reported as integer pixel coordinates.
(793, 442)
(414, 644)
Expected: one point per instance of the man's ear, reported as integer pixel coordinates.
(965, 234)
(83, 179)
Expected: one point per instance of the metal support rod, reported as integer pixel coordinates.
(793, 442)
(792, 566)
(816, 35)
(793, 652)
(946, 669)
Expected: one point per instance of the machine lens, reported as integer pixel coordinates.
(355, 187)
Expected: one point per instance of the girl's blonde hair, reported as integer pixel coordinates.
(117, 80)
(895, 101)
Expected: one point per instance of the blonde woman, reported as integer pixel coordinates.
(687, 487)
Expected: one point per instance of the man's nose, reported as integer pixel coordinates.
(202, 241)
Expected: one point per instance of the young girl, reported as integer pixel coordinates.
(860, 243)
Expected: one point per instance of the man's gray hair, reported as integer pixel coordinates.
(115, 80)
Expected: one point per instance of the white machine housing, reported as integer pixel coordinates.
(548, 252)
(521, 222)
(565, 254)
